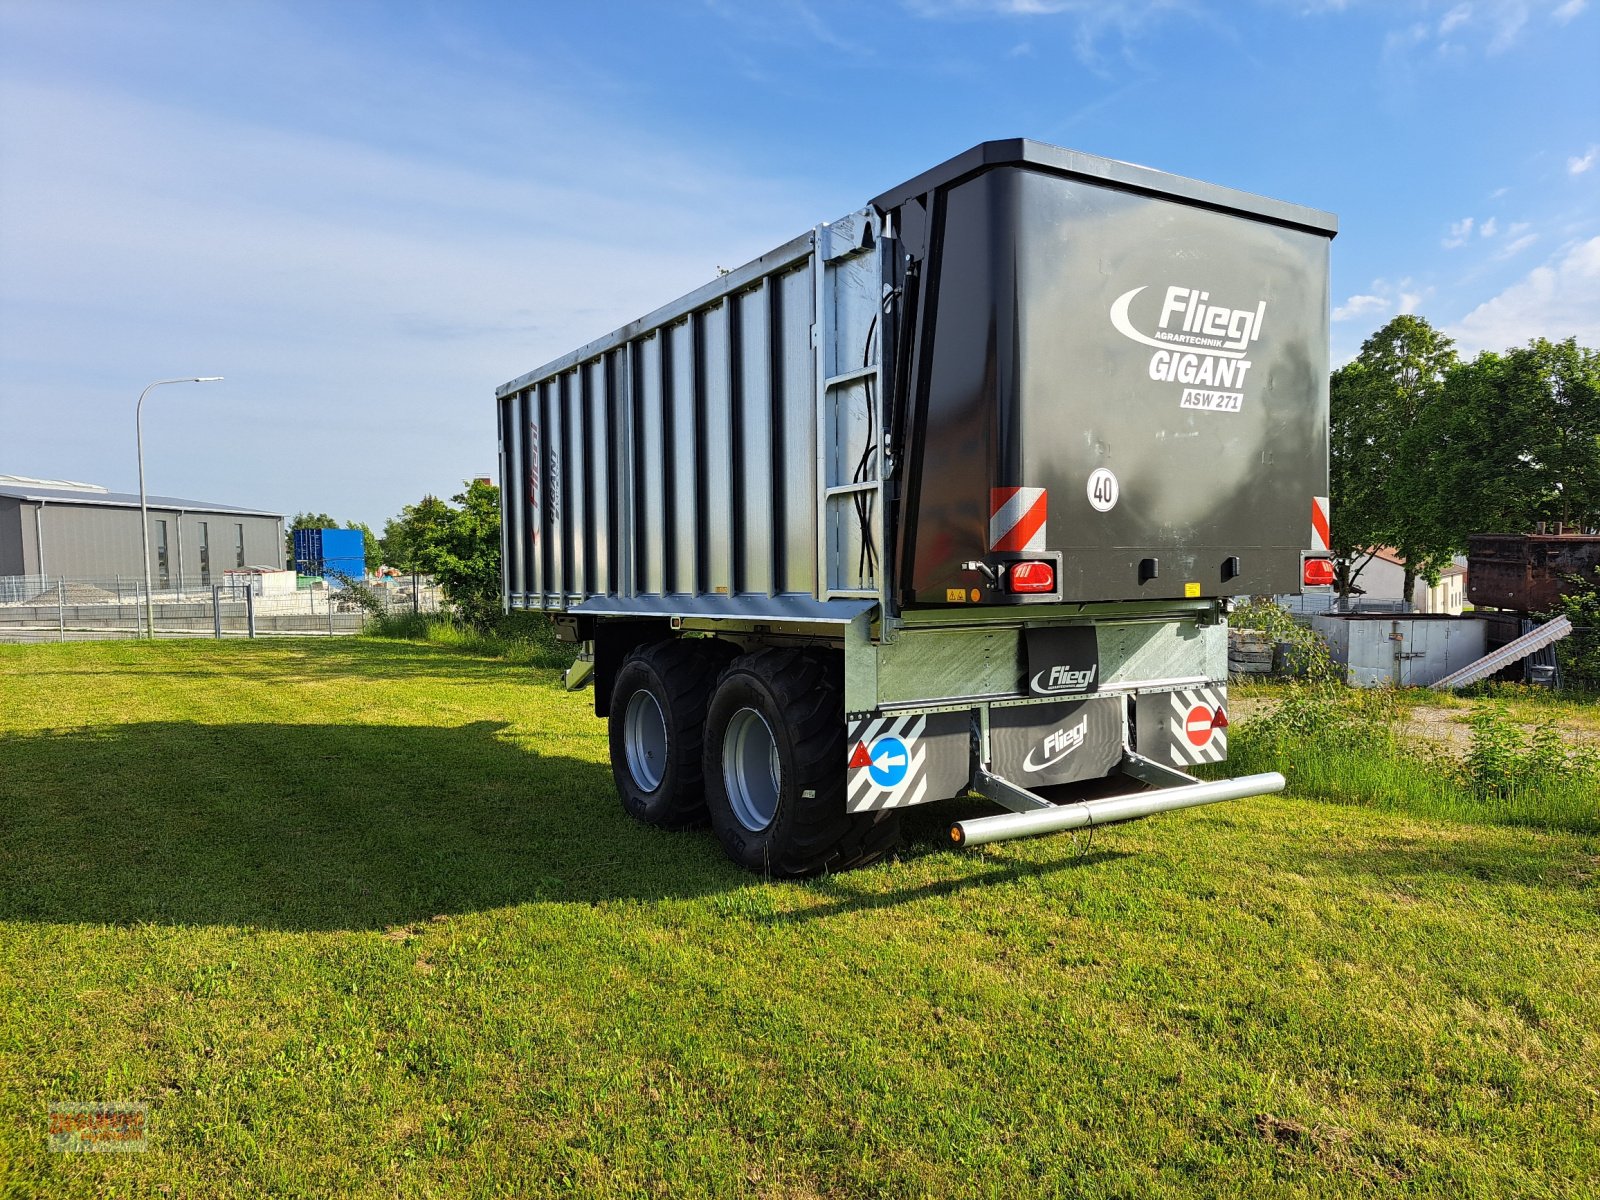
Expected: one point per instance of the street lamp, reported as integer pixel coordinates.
(144, 510)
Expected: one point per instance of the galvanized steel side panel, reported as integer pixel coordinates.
(676, 463)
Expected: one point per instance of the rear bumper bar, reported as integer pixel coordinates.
(1045, 817)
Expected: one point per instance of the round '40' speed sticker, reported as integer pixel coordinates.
(1103, 489)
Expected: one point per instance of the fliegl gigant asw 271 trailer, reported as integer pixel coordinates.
(949, 495)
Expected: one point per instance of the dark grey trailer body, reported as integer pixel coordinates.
(1077, 317)
(1026, 365)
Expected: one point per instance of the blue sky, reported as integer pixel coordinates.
(368, 215)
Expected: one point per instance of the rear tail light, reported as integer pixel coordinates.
(1032, 577)
(1317, 572)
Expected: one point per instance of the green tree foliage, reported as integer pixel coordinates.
(458, 544)
(1374, 402)
(1427, 450)
(1579, 652)
(371, 550)
(406, 538)
(1514, 440)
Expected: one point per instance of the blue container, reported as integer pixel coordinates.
(330, 552)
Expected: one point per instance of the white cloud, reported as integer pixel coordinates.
(1092, 20)
(1382, 297)
(372, 292)
(1488, 228)
(1509, 20)
(1557, 300)
(1517, 245)
(1361, 306)
(1570, 9)
(1460, 231)
(1498, 193)
(1578, 164)
(1457, 16)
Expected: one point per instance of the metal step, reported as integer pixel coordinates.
(1545, 635)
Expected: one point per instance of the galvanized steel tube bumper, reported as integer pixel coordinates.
(1057, 818)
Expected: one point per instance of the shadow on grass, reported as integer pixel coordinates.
(310, 827)
(341, 827)
(846, 899)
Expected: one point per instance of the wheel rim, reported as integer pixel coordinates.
(644, 732)
(750, 769)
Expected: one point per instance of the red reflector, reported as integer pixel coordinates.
(1219, 720)
(1318, 572)
(1033, 577)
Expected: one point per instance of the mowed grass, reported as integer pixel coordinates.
(364, 918)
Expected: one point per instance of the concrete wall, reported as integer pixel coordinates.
(95, 542)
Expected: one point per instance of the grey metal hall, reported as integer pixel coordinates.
(82, 532)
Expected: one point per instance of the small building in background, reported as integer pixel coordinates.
(1400, 649)
(1384, 577)
(79, 531)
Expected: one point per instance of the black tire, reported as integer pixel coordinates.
(798, 697)
(661, 783)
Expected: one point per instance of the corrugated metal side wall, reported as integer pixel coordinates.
(680, 461)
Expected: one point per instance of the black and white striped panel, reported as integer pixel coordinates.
(907, 758)
(877, 734)
(1193, 735)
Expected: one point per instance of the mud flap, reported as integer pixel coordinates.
(1184, 727)
(1037, 745)
(909, 758)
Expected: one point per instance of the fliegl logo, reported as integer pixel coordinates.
(1064, 679)
(1202, 345)
(1057, 746)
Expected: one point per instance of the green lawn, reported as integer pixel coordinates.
(364, 918)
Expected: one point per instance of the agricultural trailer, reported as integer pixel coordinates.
(949, 496)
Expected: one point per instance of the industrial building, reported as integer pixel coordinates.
(79, 531)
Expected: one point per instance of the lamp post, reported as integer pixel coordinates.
(144, 509)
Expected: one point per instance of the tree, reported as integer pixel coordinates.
(370, 549)
(406, 538)
(1375, 468)
(459, 545)
(466, 555)
(1554, 391)
(1516, 442)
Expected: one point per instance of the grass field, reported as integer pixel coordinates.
(364, 918)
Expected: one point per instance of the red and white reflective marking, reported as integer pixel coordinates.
(1197, 725)
(1321, 538)
(1017, 518)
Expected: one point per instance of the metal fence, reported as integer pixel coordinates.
(1313, 604)
(39, 608)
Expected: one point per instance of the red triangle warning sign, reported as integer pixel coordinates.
(1219, 720)
(860, 758)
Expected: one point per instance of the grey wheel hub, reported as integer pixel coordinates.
(644, 738)
(750, 769)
